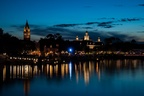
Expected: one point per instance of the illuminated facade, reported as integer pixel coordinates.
(98, 39)
(86, 41)
(26, 31)
(77, 38)
(86, 37)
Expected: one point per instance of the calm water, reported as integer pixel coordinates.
(103, 78)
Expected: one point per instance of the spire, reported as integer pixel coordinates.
(27, 25)
(26, 31)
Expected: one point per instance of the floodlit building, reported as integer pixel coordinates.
(87, 42)
(86, 37)
(26, 32)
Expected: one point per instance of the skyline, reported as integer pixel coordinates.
(101, 18)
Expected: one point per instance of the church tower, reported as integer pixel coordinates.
(26, 32)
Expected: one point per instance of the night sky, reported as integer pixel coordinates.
(105, 18)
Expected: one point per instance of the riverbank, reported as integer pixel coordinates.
(61, 59)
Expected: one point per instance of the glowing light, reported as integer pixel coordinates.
(70, 69)
(4, 73)
(4, 53)
(70, 49)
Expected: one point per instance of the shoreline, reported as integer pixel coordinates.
(43, 60)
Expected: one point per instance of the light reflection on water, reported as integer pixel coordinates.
(107, 77)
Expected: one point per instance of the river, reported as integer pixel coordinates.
(91, 78)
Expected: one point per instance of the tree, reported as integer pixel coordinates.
(58, 36)
(55, 40)
(1, 31)
(50, 36)
(133, 41)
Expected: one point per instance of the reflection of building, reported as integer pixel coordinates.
(26, 31)
(26, 87)
(78, 70)
(65, 70)
(57, 70)
(20, 71)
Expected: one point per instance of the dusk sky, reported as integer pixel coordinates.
(71, 18)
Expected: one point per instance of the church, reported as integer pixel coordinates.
(29, 45)
(26, 32)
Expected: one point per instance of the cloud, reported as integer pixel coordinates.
(102, 24)
(18, 27)
(129, 19)
(104, 18)
(106, 34)
(105, 24)
(66, 25)
(87, 27)
(49, 30)
(140, 4)
(140, 32)
(21, 27)
(91, 23)
(99, 24)
(117, 24)
(35, 26)
(123, 37)
(69, 34)
(66, 33)
(70, 31)
(10, 31)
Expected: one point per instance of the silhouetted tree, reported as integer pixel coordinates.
(52, 40)
(12, 45)
(50, 36)
(133, 41)
(1, 31)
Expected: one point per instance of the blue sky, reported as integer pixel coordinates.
(71, 18)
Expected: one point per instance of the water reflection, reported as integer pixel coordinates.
(68, 71)
(26, 87)
(85, 69)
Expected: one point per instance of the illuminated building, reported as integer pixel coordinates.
(51, 49)
(27, 31)
(77, 38)
(86, 37)
(87, 42)
(98, 39)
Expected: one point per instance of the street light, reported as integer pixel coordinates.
(70, 50)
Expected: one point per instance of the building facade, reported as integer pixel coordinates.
(86, 41)
(26, 32)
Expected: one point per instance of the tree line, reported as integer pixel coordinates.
(12, 45)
